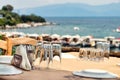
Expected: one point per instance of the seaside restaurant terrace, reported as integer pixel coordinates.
(25, 54)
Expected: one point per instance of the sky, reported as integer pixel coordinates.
(17, 4)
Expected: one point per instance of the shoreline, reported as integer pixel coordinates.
(28, 25)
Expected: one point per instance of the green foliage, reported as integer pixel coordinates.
(32, 18)
(16, 17)
(12, 18)
(2, 23)
(3, 13)
(7, 8)
(0, 37)
(13, 49)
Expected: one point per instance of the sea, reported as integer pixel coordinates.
(98, 27)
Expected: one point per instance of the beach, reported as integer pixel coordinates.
(74, 63)
(63, 70)
(85, 37)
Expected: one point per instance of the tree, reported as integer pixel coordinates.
(7, 8)
(15, 17)
(3, 13)
(8, 17)
(2, 23)
(12, 18)
(32, 18)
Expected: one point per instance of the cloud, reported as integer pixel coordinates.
(35, 3)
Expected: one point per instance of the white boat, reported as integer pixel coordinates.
(117, 30)
(76, 28)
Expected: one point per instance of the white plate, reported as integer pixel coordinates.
(6, 69)
(6, 59)
(95, 73)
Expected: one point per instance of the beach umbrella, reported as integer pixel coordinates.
(7, 34)
(55, 36)
(66, 36)
(45, 35)
(18, 33)
(110, 37)
(76, 36)
(33, 35)
(89, 36)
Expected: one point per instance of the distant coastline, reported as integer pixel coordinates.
(28, 25)
(10, 20)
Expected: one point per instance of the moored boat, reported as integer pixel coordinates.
(117, 30)
(76, 28)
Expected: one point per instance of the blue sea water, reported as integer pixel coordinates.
(98, 27)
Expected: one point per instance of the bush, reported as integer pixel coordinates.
(32, 18)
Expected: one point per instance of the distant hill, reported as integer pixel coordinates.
(74, 10)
